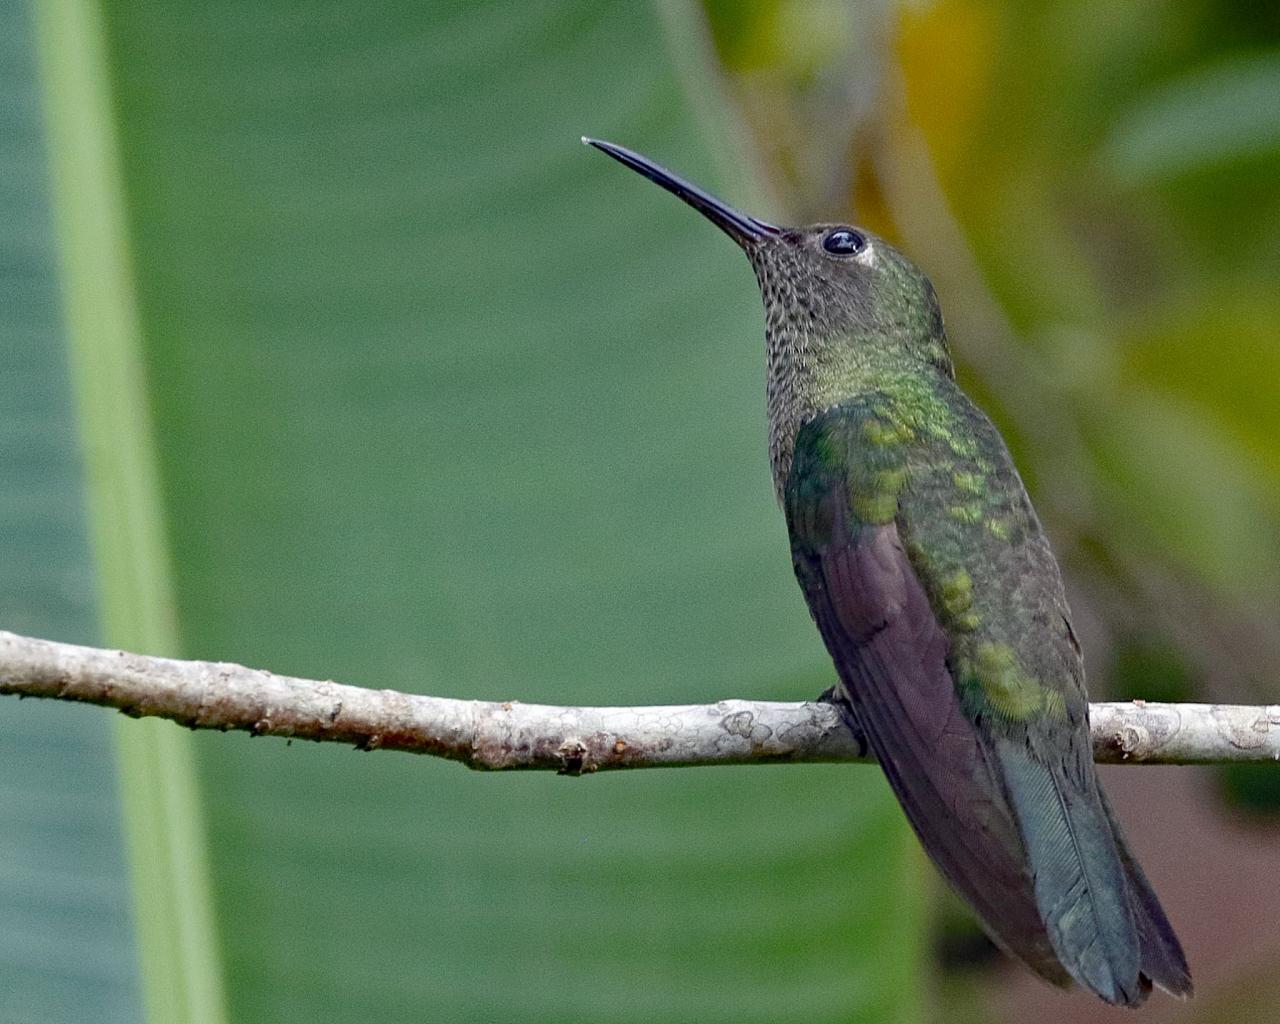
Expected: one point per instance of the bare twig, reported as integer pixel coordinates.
(494, 735)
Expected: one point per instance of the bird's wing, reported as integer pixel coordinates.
(891, 653)
(957, 656)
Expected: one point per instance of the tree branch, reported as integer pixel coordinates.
(492, 735)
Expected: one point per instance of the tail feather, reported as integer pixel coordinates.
(1080, 882)
(1163, 961)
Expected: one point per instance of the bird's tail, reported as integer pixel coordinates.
(1163, 961)
(1103, 920)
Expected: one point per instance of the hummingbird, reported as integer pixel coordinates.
(933, 585)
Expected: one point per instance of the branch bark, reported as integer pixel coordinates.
(493, 735)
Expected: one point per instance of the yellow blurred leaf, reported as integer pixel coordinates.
(945, 51)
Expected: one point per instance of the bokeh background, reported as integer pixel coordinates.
(331, 351)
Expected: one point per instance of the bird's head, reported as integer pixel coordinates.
(832, 283)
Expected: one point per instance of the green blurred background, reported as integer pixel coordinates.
(331, 351)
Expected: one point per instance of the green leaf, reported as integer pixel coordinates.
(1216, 349)
(181, 978)
(1213, 114)
(445, 402)
(66, 943)
(1175, 481)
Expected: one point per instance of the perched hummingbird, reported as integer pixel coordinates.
(931, 581)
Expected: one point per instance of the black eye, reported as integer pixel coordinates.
(844, 242)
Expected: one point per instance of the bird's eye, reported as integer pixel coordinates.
(844, 242)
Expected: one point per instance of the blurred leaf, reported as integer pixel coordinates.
(66, 945)
(1251, 787)
(1156, 672)
(945, 98)
(796, 38)
(445, 402)
(180, 972)
(1178, 484)
(1218, 349)
(1220, 112)
(811, 70)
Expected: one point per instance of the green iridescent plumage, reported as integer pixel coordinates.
(934, 588)
(1013, 783)
(976, 546)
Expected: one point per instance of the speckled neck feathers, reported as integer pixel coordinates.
(829, 339)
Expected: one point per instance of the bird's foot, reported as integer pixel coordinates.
(835, 696)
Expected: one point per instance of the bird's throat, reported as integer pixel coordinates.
(808, 374)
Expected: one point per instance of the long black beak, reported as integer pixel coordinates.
(742, 229)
